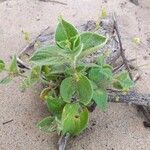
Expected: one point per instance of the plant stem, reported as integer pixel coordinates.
(63, 141)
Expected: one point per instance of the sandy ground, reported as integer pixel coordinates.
(121, 127)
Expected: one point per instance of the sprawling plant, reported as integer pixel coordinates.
(72, 86)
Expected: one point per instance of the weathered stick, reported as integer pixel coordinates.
(63, 141)
(121, 47)
(22, 64)
(136, 2)
(132, 98)
(8, 121)
(54, 1)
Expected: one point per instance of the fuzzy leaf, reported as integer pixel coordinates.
(79, 69)
(14, 67)
(74, 119)
(35, 73)
(66, 35)
(47, 125)
(55, 105)
(67, 89)
(100, 96)
(49, 55)
(2, 65)
(91, 42)
(101, 76)
(51, 72)
(122, 81)
(84, 89)
(77, 51)
(32, 78)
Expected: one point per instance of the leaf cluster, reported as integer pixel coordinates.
(72, 85)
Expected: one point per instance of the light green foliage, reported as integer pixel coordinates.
(33, 78)
(47, 125)
(100, 96)
(74, 119)
(13, 69)
(84, 89)
(2, 65)
(123, 82)
(101, 60)
(66, 35)
(67, 89)
(55, 105)
(101, 76)
(71, 85)
(91, 42)
(49, 55)
(80, 87)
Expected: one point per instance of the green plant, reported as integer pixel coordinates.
(72, 86)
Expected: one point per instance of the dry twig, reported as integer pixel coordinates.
(8, 121)
(63, 141)
(121, 48)
(53, 1)
(132, 97)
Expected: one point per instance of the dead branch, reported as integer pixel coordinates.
(136, 2)
(8, 122)
(146, 112)
(53, 1)
(63, 142)
(121, 65)
(132, 98)
(22, 64)
(121, 47)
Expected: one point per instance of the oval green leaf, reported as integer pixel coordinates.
(67, 89)
(91, 42)
(49, 55)
(100, 97)
(66, 35)
(55, 105)
(122, 81)
(74, 119)
(101, 76)
(47, 125)
(84, 89)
